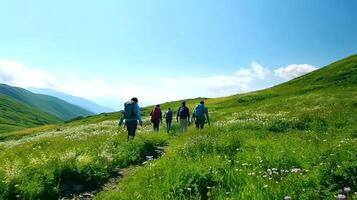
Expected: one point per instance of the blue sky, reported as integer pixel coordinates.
(134, 47)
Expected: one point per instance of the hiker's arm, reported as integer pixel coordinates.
(121, 120)
(138, 113)
(161, 116)
(188, 114)
(121, 114)
(177, 114)
(206, 112)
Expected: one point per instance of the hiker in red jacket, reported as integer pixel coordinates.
(156, 117)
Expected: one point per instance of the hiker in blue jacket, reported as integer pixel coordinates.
(131, 116)
(168, 117)
(200, 114)
(184, 114)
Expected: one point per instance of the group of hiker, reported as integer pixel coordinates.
(131, 116)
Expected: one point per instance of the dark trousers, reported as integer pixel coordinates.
(156, 124)
(131, 127)
(200, 123)
(168, 125)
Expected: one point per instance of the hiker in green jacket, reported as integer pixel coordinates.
(200, 114)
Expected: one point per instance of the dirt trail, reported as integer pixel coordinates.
(72, 190)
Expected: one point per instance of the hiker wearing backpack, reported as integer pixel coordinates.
(168, 117)
(131, 116)
(200, 114)
(183, 114)
(156, 117)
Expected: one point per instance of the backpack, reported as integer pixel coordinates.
(169, 115)
(200, 111)
(155, 114)
(129, 110)
(183, 112)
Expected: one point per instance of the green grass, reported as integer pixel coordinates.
(18, 134)
(16, 115)
(34, 167)
(297, 139)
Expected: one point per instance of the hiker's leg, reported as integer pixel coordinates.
(130, 138)
(185, 125)
(135, 124)
(127, 128)
(156, 125)
(201, 123)
(169, 125)
(181, 125)
(132, 128)
(182, 128)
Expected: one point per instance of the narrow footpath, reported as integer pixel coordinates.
(72, 190)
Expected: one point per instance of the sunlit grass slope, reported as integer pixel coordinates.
(35, 166)
(16, 115)
(297, 139)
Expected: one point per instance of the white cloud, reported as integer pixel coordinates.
(260, 71)
(206, 86)
(256, 71)
(294, 70)
(15, 73)
(150, 91)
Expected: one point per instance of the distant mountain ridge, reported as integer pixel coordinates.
(78, 101)
(51, 105)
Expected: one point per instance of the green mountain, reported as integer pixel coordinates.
(297, 140)
(78, 101)
(16, 115)
(48, 104)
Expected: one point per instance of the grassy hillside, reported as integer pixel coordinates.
(51, 105)
(297, 139)
(15, 115)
